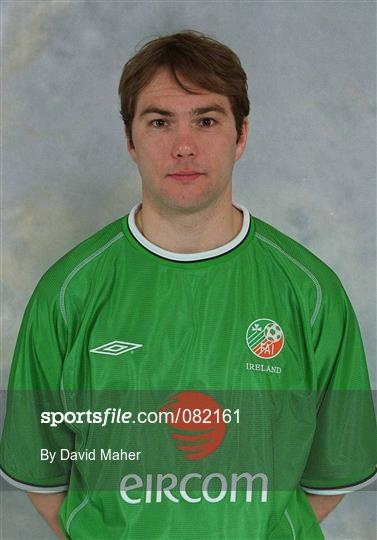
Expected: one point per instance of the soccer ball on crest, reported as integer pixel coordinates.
(273, 332)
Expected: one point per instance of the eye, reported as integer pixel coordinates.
(156, 120)
(206, 120)
(159, 122)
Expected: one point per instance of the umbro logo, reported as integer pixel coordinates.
(115, 348)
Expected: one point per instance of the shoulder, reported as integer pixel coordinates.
(301, 266)
(279, 244)
(83, 258)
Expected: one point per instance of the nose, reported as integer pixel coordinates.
(183, 151)
(184, 144)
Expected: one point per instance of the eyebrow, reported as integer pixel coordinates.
(214, 107)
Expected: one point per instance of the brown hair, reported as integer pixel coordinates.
(202, 60)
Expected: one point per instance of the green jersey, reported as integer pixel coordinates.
(189, 395)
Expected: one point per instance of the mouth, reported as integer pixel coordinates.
(186, 177)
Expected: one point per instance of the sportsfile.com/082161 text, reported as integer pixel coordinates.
(118, 416)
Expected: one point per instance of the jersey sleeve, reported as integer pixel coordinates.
(343, 452)
(34, 387)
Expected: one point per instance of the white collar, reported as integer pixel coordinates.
(184, 257)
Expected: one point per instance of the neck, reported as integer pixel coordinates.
(203, 230)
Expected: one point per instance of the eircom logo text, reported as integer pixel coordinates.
(162, 485)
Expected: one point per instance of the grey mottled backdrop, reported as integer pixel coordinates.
(309, 168)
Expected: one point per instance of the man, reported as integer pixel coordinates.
(189, 306)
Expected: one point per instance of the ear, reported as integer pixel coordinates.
(242, 142)
(131, 149)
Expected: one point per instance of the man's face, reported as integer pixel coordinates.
(176, 137)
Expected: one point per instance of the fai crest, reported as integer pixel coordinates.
(265, 338)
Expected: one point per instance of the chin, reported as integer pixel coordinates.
(189, 204)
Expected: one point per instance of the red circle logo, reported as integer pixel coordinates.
(198, 418)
